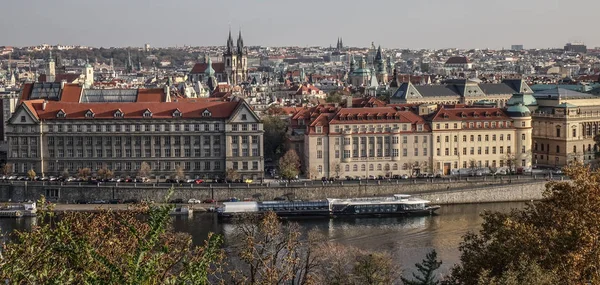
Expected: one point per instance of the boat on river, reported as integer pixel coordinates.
(28, 209)
(396, 205)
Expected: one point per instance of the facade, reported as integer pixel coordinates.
(76, 128)
(412, 139)
(460, 91)
(564, 126)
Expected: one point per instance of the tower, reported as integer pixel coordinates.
(230, 60)
(242, 60)
(129, 67)
(51, 72)
(521, 117)
(88, 72)
(211, 82)
(380, 68)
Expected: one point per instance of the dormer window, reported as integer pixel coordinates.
(244, 117)
(89, 114)
(206, 113)
(147, 114)
(177, 113)
(463, 115)
(118, 114)
(61, 114)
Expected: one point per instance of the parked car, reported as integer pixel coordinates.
(115, 201)
(98, 202)
(281, 198)
(176, 201)
(208, 201)
(247, 181)
(194, 201)
(81, 201)
(131, 201)
(198, 181)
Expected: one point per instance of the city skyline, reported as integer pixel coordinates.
(431, 25)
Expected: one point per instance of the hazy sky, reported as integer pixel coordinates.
(391, 23)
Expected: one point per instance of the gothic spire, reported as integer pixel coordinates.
(50, 58)
(240, 44)
(230, 47)
(378, 55)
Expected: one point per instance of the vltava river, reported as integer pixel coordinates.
(407, 239)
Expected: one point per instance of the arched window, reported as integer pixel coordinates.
(395, 166)
(558, 131)
(557, 149)
(387, 167)
(370, 167)
(347, 167)
(574, 149)
(362, 167)
(404, 166)
(378, 166)
(320, 169)
(355, 168)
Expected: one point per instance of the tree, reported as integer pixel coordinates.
(274, 136)
(473, 166)
(511, 162)
(559, 235)
(178, 173)
(31, 174)
(289, 165)
(272, 253)
(104, 173)
(65, 173)
(312, 173)
(336, 169)
(232, 175)
(84, 173)
(109, 247)
(144, 170)
(374, 268)
(7, 169)
(334, 97)
(426, 269)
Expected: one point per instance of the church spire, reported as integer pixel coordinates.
(240, 44)
(230, 47)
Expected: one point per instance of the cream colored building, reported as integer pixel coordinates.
(398, 140)
(564, 126)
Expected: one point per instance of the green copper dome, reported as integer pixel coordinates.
(523, 99)
(518, 111)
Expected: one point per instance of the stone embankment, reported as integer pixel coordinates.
(442, 192)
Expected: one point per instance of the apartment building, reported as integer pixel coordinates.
(63, 127)
(412, 139)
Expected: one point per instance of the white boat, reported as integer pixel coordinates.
(27, 209)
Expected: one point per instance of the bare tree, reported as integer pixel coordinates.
(144, 170)
(104, 173)
(84, 173)
(336, 169)
(7, 168)
(232, 175)
(178, 173)
(31, 174)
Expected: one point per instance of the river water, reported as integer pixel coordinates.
(407, 239)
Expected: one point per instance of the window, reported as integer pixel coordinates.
(319, 141)
(404, 152)
(501, 137)
(508, 149)
(447, 139)
(472, 138)
(319, 154)
(446, 151)
(234, 128)
(487, 138)
(255, 127)
(557, 149)
(501, 150)
(438, 152)
(464, 152)
(494, 138)
(472, 151)
(416, 151)
(574, 132)
(405, 139)
(464, 138)
(319, 129)
(244, 117)
(478, 138)
(508, 137)
(487, 150)
(416, 139)
(493, 150)
(425, 151)
(479, 150)
(523, 137)
(244, 127)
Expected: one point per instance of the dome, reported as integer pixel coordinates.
(518, 111)
(523, 99)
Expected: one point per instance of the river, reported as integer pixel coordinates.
(407, 239)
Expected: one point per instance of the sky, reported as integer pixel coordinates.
(389, 23)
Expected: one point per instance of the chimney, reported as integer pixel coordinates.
(167, 91)
(44, 105)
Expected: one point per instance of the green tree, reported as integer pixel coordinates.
(559, 234)
(274, 136)
(289, 165)
(31, 174)
(334, 97)
(426, 269)
(65, 173)
(108, 247)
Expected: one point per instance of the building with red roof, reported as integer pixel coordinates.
(65, 127)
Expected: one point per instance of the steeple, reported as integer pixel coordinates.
(50, 58)
(352, 63)
(240, 44)
(378, 54)
(129, 68)
(341, 44)
(230, 47)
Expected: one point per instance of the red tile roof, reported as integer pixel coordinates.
(151, 95)
(448, 113)
(457, 60)
(164, 110)
(26, 91)
(219, 67)
(71, 93)
(375, 115)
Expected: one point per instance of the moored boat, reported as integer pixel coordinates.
(396, 205)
